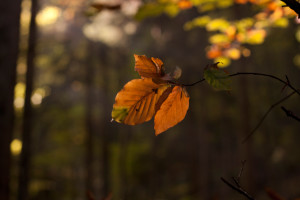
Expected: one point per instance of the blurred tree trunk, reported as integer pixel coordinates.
(124, 140)
(27, 116)
(9, 48)
(245, 149)
(103, 127)
(89, 121)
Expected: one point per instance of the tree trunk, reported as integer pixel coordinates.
(245, 149)
(104, 127)
(27, 116)
(9, 48)
(89, 124)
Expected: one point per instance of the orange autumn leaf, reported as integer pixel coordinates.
(214, 53)
(153, 94)
(102, 6)
(135, 103)
(184, 4)
(241, 1)
(172, 110)
(148, 68)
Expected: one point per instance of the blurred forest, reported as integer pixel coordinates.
(63, 62)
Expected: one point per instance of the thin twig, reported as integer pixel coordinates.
(254, 74)
(266, 114)
(286, 83)
(290, 114)
(267, 75)
(238, 189)
(192, 84)
(241, 171)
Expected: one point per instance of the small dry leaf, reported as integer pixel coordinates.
(102, 6)
(172, 111)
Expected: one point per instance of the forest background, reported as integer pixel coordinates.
(62, 67)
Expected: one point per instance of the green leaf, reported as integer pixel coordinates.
(119, 113)
(217, 78)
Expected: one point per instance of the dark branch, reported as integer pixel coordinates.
(192, 84)
(254, 74)
(286, 84)
(290, 114)
(266, 114)
(294, 5)
(238, 189)
(270, 76)
(241, 171)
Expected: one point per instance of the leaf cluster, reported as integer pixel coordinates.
(154, 94)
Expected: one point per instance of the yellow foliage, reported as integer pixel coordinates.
(223, 62)
(197, 22)
(244, 24)
(218, 24)
(225, 3)
(256, 36)
(172, 10)
(219, 38)
(282, 22)
(233, 53)
(206, 7)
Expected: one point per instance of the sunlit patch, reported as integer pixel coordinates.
(105, 28)
(38, 95)
(19, 95)
(48, 15)
(19, 102)
(130, 28)
(21, 68)
(36, 99)
(16, 147)
(297, 60)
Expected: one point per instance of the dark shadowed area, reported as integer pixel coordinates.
(57, 94)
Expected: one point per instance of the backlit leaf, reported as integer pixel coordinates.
(217, 78)
(149, 68)
(135, 103)
(155, 94)
(172, 110)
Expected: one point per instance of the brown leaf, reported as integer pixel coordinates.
(148, 68)
(172, 110)
(135, 103)
(162, 98)
(102, 6)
